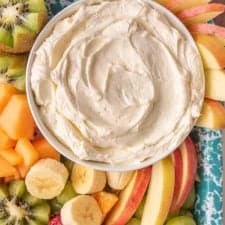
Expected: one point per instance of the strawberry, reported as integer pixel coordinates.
(56, 220)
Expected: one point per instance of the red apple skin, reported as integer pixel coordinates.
(120, 216)
(187, 178)
(188, 13)
(206, 28)
(177, 161)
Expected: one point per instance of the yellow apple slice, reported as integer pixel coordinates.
(160, 193)
(201, 14)
(178, 5)
(212, 51)
(215, 84)
(212, 115)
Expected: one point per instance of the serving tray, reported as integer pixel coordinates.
(208, 207)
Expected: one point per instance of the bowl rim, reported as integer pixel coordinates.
(51, 138)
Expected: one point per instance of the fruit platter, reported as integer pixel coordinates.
(39, 186)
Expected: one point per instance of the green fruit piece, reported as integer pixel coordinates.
(19, 30)
(3, 191)
(3, 2)
(66, 194)
(140, 209)
(17, 188)
(36, 6)
(33, 222)
(190, 201)
(6, 37)
(12, 70)
(31, 200)
(134, 221)
(68, 164)
(41, 212)
(170, 216)
(3, 222)
(55, 206)
(181, 220)
(31, 21)
(184, 212)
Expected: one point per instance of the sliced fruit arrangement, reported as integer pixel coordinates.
(18, 151)
(13, 69)
(17, 206)
(20, 21)
(145, 196)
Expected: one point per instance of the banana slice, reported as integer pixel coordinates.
(46, 179)
(81, 210)
(86, 180)
(119, 180)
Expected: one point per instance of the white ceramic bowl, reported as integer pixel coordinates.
(61, 148)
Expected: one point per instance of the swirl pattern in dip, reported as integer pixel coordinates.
(116, 82)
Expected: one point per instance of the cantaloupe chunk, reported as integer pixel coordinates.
(106, 201)
(7, 169)
(29, 154)
(13, 157)
(16, 119)
(23, 170)
(45, 150)
(6, 141)
(16, 176)
(6, 92)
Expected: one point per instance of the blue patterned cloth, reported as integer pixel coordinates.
(208, 207)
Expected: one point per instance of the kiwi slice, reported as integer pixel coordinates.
(13, 69)
(66, 194)
(68, 163)
(18, 207)
(20, 22)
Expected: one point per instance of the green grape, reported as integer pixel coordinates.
(140, 209)
(184, 212)
(181, 220)
(134, 221)
(190, 201)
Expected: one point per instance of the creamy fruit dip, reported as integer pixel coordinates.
(117, 83)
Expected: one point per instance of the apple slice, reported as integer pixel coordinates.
(206, 28)
(212, 51)
(215, 84)
(178, 5)
(201, 14)
(212, 115)
(160, 193)
(129, 198)
(177, 162)
(184, 174)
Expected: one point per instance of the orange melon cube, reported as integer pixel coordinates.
(23, 170)
(13, 157)
(11, 178)
(106, 201)
(6, 169)
(16, 119)
(6, 92)
(6, 141)
(45, 150)
(29, 154)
